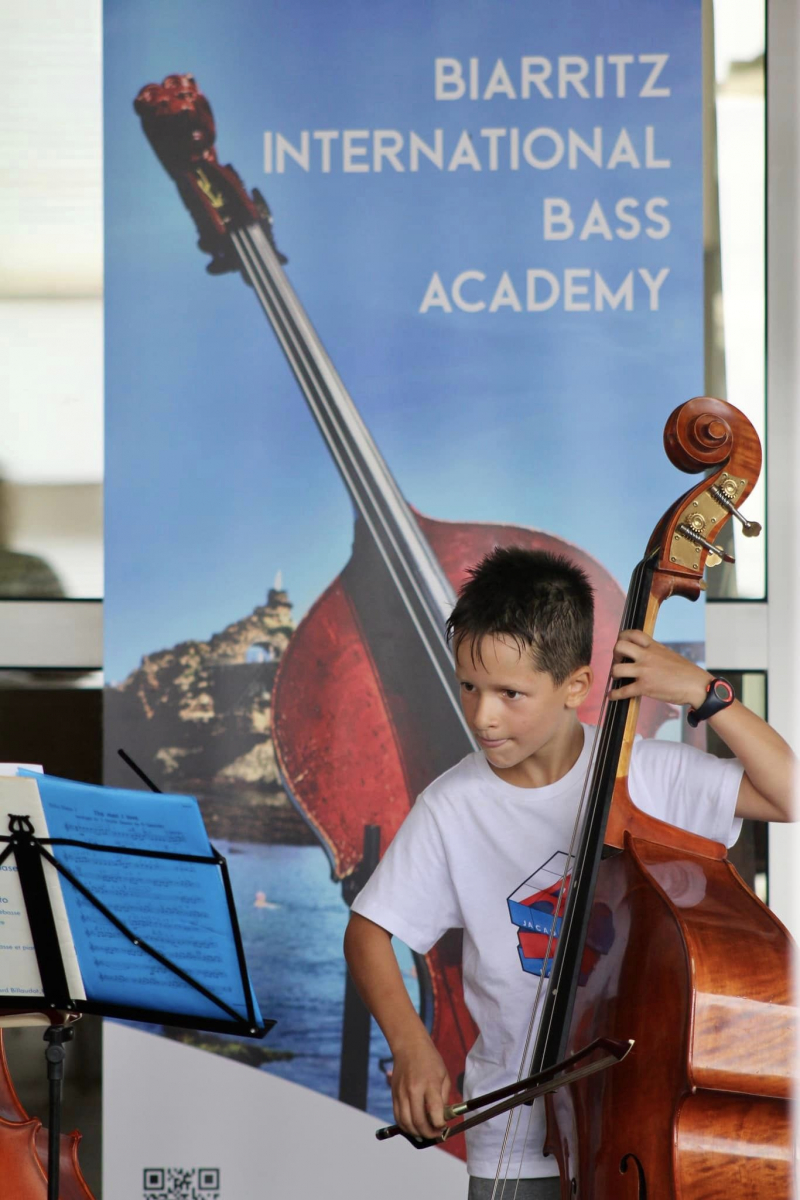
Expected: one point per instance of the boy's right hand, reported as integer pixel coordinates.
(420, 1083)
(420, 1087)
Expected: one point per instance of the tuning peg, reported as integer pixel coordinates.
(749, 528)
(716, 554)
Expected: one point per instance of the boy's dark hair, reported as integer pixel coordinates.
(542, 600)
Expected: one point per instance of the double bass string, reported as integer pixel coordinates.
(426, 593)
(516, 1116)
(393, 502)
(436, 596)
(598, 761)
(318, 391)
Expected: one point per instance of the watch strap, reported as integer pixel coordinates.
(719, 695)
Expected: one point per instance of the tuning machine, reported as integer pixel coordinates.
(749, 528)
(716, 554)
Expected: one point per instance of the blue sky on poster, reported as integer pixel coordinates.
(216, 475)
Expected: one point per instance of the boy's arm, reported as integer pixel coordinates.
(420, 1083)
(765, 793)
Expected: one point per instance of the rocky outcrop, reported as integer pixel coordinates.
(198, 718)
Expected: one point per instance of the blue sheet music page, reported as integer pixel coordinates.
(179, 908)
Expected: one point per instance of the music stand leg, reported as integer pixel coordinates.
(55, 1036)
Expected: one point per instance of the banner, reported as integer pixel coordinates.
(453, 289)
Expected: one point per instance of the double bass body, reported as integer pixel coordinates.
(696, 970)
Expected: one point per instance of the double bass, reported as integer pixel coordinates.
(373, 645)
(698, 969)
(665, 959)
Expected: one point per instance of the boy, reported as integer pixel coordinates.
(502, 817)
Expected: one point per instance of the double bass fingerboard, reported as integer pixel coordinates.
(551, 1043)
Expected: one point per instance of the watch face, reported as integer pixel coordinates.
(722, 690)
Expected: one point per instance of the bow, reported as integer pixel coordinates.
(523, 1091)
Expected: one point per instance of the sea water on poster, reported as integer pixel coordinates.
(513, 324)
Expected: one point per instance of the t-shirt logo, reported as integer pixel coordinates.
(537, 911)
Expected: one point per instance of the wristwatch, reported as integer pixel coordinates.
(719, 695)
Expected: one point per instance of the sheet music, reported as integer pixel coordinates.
(179, 908)
(19, 970)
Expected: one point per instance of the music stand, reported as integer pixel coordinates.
(30, 853)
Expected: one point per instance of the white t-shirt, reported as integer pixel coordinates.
(472, 845)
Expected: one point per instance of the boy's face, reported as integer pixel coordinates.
(513, 710)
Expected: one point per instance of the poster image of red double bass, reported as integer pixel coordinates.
(362, 697)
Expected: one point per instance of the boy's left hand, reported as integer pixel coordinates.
(656, 671)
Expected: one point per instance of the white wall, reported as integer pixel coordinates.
(783, 436)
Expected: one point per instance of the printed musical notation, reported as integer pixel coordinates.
(179, 908)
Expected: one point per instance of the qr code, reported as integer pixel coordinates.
(179, 1183)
